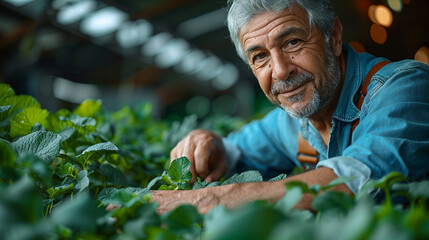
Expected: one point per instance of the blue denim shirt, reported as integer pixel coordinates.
(393, 133)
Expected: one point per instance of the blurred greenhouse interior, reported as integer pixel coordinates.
(175, 54)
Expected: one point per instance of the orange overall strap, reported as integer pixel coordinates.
(365, 85)
(306, 153)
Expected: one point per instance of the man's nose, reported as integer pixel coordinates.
(282, 66)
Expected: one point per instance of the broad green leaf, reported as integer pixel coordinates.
(182, 218)
(43, 144)
(390, 230)
(65, 170)
(333, 200)
(22, 123)
(82, 121)
(94, 152)
(18, 102)
(88, 108)
(55, 124)
(5, 91)
(20, 204)
(147, 216)
(289, 200)
(66, 133)
(4, 108)
(389, 179)
(59, 190)
(82, 180)
(415, 189)
(244, 177)
(122, 196)
(35, 167)
(81, 213)
(251, 221)
(179, 170)
(7, 156)
(113, 174)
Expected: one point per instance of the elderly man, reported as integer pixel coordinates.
(295, 50)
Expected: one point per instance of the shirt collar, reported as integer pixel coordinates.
(346, 109)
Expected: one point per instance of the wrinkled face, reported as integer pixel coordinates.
(293, 62)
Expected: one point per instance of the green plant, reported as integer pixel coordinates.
(58, 172)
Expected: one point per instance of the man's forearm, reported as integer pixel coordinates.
(233, 195)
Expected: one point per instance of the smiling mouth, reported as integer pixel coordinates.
(293, 91)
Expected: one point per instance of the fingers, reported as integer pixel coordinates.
(218, 171)
(205, 151)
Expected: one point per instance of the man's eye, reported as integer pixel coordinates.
(292, 42)
(258, 57)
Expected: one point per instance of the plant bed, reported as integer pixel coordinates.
(59, 171)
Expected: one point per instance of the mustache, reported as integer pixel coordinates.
(290, 83)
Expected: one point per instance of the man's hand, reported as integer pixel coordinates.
(205, 151)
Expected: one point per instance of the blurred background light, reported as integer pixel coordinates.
(155, 44)
(378, 33)
(172, 53)
(422, 55)
(74, 92)
(132, 34)
(208, 68)
(406, 1)
(202, 24)
(395, 5)
(72, 13)
(198, 105)
(371, 13)
(226, 78)
(383, 16)
(18, 3)
(103, 21)
(190, 61)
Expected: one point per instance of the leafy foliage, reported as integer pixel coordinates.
(58, 172)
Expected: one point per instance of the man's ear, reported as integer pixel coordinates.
(337, 37)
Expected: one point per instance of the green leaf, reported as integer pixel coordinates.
(81, 214)
(182, 218)
(88, 108)
(66, 133)
(303, 186)
(122, 196)
(35, 167)
(65, 170)
(113, 174)
(389, 179)
(43, 144)
(337, 181)
(147, 216)
(334, 201)
(18, 102)
(289, 200)
(244, 177)
(21, 123)
(179, 170)
(94, 152)
(7, 156)
(5, 91)
(59, 190)
(82, 180)
(414, 189)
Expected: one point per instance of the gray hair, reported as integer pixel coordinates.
(320, 14)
